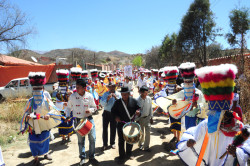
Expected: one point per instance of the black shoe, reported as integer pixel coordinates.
(148, 150)
(63, 142)
(104, 148)
(93, 161)
(130, 157)
(68, 140)
(174, 139)
(121, 160)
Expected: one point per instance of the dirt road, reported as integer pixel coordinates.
(67, 155)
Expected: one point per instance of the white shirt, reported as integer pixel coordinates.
(79, 104)
(142, 82)
(129, 85)
(146, 106)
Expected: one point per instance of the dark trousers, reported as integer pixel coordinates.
(106, 119)
(121, 142)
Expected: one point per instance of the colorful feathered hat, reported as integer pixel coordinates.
(171, 72)
(37, 78)
(217, 84)
(155, 72)
(187, 70)
(85, 74)
(75, 73)
(62, 75)
(102, 76)
(94, 73)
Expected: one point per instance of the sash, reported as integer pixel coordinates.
(126, 110)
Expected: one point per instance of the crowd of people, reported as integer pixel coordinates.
(201, 102)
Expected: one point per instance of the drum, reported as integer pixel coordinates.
(132, 132)
(178, 110)
(163, 103)
(84, 128)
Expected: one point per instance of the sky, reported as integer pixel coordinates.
(131, 26)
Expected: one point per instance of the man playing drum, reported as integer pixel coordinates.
(145, 120)
(83, 105)
(124, 110)
(108, 100)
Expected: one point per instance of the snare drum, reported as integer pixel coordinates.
(84, 128)
(132, 132)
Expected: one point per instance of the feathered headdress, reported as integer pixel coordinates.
(155, 72)
(187, 70)
(84, 74)
(217, 84)
(62, 75)
(94, 73)
(75, 73)
(37, 78)
(171, 72)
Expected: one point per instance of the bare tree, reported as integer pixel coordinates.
(153, 58)
(13, 25)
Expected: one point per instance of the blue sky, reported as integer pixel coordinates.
(131, 26)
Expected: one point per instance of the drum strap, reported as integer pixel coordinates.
(126, 109)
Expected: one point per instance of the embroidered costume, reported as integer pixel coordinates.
(214, 135)
(37, 107)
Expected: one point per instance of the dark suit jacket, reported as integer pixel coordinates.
(118, 109)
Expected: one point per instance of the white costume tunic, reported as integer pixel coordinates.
(216, 147)
(45, 108)
(39, 138)
(79, 105)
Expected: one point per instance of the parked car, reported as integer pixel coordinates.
(21, 87)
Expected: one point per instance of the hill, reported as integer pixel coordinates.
(101, 57)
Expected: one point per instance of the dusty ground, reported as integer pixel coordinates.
(67, 155)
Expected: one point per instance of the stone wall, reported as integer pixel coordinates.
(244, 82)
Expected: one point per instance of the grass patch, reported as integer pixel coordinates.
(11, 113)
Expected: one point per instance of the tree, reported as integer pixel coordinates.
(214, 50)
(169, 50)
(197, 29)
(13, 25)
(153, 58)
(137, 61)
(240, 25)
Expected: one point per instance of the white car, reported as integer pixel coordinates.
(20, 87)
